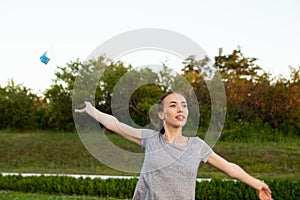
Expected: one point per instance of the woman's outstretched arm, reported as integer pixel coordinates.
(236, 172)
(112, 123)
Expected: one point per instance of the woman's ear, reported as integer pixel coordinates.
(161, 115)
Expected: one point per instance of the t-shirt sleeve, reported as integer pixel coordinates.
(205, 150)
(146, 134)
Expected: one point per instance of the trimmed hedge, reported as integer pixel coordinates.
(282, 188)
(65, 185)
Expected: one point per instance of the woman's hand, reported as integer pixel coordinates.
(86, 110)
(264, 193)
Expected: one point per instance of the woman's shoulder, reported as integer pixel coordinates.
(146, 133)
(200, 146)
(149, 136)
(196, 139)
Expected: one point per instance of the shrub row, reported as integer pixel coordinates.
(65, 185)
(217, 189)
(282, 188)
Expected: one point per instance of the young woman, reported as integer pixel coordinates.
(171, 160)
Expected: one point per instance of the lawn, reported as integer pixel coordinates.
(48, 152)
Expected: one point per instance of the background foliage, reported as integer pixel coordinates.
(260, 109)
(253, 97)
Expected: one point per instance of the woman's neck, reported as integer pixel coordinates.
(173, 132)
(174, 136)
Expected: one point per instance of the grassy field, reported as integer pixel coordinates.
(46, 152)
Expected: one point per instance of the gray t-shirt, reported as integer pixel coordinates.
(169, 171)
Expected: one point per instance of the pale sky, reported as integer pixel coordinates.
(266, 29)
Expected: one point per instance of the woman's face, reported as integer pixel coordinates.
(175, 110)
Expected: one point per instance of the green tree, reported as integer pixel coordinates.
(106, 84)
(236, 66)
(88, 87)
(17, 107)
(59, 109)
(135, 93)
(99, 80)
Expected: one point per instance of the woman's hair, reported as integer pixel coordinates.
(160, 107)
(160, 101)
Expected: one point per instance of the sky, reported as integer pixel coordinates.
(264, 29)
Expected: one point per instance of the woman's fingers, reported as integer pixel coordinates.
(83, 110)
(80, 110)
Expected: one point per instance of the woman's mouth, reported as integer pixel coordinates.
(180, 117)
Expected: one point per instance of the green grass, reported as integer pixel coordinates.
(47, 152)
(263, 160)
(8, 195)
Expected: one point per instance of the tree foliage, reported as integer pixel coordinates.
(99, 81)
(252, 95)
(17, 107)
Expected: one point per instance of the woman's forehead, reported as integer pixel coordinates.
(175, 98)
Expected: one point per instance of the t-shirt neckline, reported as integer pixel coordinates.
(175, 145)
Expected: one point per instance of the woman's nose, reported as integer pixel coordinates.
(180, 109)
